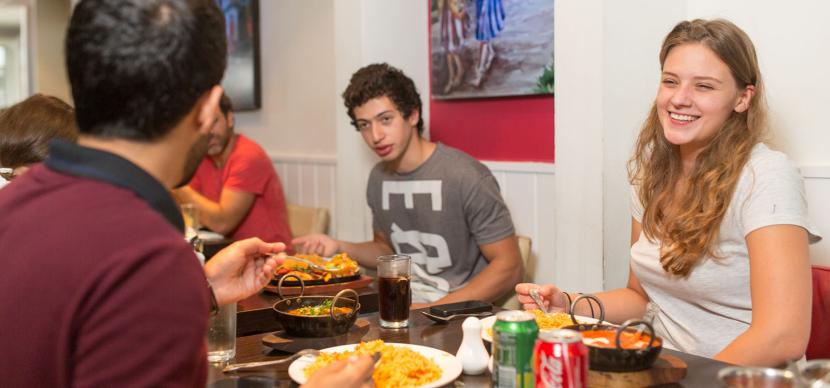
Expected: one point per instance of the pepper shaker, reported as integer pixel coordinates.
(471, 353)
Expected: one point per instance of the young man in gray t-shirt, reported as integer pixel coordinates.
(430, 201)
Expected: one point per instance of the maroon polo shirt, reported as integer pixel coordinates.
(97, 286)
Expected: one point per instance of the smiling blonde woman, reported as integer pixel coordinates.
(719, 228)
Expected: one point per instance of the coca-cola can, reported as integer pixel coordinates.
(560, 359)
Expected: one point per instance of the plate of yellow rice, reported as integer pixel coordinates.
(551, 321)
(400, 365)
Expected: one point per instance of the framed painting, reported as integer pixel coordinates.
(242, 77)
(490, 48)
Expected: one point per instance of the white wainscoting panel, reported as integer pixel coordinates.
(309, 181)
(527, 189)
(817, 185)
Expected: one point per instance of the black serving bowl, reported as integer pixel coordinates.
(328, 325)
(617, 358)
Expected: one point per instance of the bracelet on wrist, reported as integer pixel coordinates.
(570, 302)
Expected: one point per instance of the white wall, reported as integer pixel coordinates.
(14, 37)
(369, 31)
(630, 70)
(792, 44)
(51, 21)
(298, 79)
(578, 264)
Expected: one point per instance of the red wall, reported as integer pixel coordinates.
(505, 129)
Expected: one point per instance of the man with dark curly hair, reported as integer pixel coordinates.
(430, 201)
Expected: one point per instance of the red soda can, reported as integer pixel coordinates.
(560, 359)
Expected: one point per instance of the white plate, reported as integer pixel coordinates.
(487, 324)
(206, 235)
(450, 366)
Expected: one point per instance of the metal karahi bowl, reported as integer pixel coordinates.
(815, 373)
(617, 358)
(746, 377)
(327, 325)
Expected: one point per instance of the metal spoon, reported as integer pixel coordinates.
(247, 365)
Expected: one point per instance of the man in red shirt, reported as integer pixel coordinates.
(236, 190)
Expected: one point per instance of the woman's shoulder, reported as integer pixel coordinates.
(769, 172)
(764, 161)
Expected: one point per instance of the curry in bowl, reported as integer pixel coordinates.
(620, 349)
(628, 339)
(317, 316)
(322, 309)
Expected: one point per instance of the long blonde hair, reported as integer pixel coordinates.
(692, 231)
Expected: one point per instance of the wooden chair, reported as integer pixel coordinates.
(305, 220)
(510, 301)
(819, 344)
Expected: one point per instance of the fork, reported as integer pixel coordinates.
(310, 263)
(247, 365)
(454, 316)
(534, 294)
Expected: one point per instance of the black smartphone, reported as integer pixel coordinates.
(466, 307)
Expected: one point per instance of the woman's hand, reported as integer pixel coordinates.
(241, 269)
(551, 296)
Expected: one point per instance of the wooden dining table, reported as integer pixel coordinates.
(701, 372)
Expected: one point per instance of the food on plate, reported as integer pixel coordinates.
(551, 321)
(607, 339)
(322, 309)
(547, 321)
(398, 366)
(341, 265)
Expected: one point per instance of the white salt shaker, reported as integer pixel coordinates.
(471, 353)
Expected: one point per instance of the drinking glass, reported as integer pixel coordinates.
(394, 293)
(222, 334)
(191, 219)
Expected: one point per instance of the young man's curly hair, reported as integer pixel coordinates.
(378, 80)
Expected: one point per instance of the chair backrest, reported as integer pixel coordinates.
(305, 220)
(510, 301)
(819, 344)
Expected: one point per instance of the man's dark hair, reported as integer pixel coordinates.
(27, 127)
(378, 80)
(137, 67)
(225, 105)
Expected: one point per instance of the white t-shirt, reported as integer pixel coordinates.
(703, 313)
